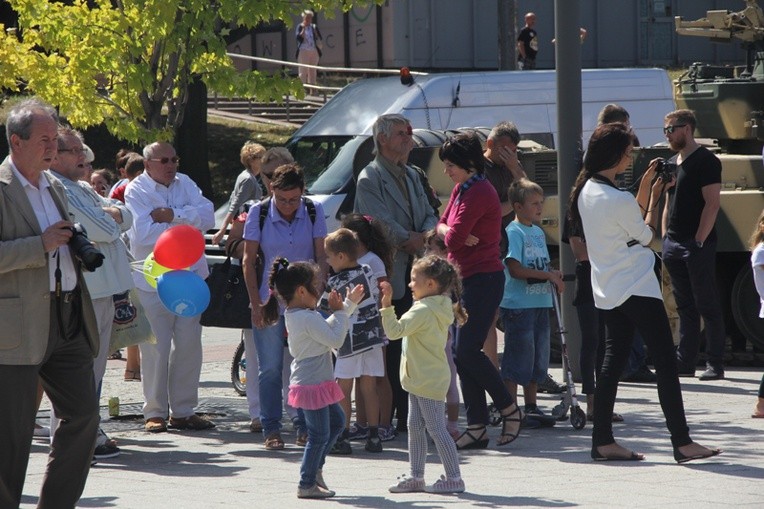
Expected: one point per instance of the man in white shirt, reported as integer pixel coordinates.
(104, 220)
(159, 199)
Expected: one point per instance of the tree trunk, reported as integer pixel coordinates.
(191, 138)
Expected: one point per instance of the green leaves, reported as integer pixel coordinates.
(128, 63)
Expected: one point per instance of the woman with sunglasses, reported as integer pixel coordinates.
(293, 228)
(626, 288)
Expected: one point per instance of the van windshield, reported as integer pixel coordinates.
(326, 160)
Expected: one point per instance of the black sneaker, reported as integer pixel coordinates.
(105, 451)
(373, 444)
(550, 386)
(534, 413)
(341, 447)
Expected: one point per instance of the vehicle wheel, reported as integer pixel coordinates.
(577, 417)
(239, 370)
(745, 307)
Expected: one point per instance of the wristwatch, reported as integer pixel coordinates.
(699, 244)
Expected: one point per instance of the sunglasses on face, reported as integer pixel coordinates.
(669, 129)
(165, 160)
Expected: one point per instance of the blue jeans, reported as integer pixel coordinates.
(269, 342)
(526, 345)
(324, 426)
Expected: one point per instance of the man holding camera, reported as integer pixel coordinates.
(104, 221)
(47, 326)
(689, 246)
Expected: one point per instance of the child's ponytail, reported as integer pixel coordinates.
(271, 306)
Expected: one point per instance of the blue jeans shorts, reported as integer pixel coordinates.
(526, 345)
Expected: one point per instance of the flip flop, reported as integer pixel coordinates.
(597, 456)
(757, 416)
(681, 458)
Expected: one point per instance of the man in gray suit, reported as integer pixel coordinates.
(392, 192)
(47, 324)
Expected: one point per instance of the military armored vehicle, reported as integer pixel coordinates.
(728, 102)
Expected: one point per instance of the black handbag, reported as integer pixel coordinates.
(229, 299)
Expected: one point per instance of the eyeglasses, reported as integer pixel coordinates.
(73, 150)
(669, 129)
(165, 160)
(285, 201)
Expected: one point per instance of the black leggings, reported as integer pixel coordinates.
(648, 316)
(481, 295)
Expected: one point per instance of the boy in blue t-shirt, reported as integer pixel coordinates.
(524, 309)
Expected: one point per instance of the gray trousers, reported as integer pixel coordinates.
(66, 373)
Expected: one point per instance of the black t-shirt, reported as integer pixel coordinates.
(530, 42)
(700, 169)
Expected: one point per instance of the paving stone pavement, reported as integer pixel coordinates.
(228, 466)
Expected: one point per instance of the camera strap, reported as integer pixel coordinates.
(58, 295)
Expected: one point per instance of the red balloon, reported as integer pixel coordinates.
(179, 247)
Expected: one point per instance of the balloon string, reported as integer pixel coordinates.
(137, 266)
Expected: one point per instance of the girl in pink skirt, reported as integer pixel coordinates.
(311, 339)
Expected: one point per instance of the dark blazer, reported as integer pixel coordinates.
(24, 277)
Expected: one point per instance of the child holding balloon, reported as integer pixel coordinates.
(311, 339)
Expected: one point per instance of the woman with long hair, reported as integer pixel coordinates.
(626, 288)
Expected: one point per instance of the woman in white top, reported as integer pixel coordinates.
(626, 288)
(757, 262)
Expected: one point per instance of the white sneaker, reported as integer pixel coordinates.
(444, 485)
(407, 484)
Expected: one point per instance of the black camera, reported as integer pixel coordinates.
(83, 249)
(665, 170)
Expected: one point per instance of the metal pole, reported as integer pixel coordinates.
(568, 63)
(506, 12)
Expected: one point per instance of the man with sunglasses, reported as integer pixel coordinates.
(159, 199)
(689, 246)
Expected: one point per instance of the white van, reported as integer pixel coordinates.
(335, 144)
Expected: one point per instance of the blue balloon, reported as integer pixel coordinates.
(182, 292)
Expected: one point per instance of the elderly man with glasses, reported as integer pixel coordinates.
(104, 220)
(392, 191)
(160, 198)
